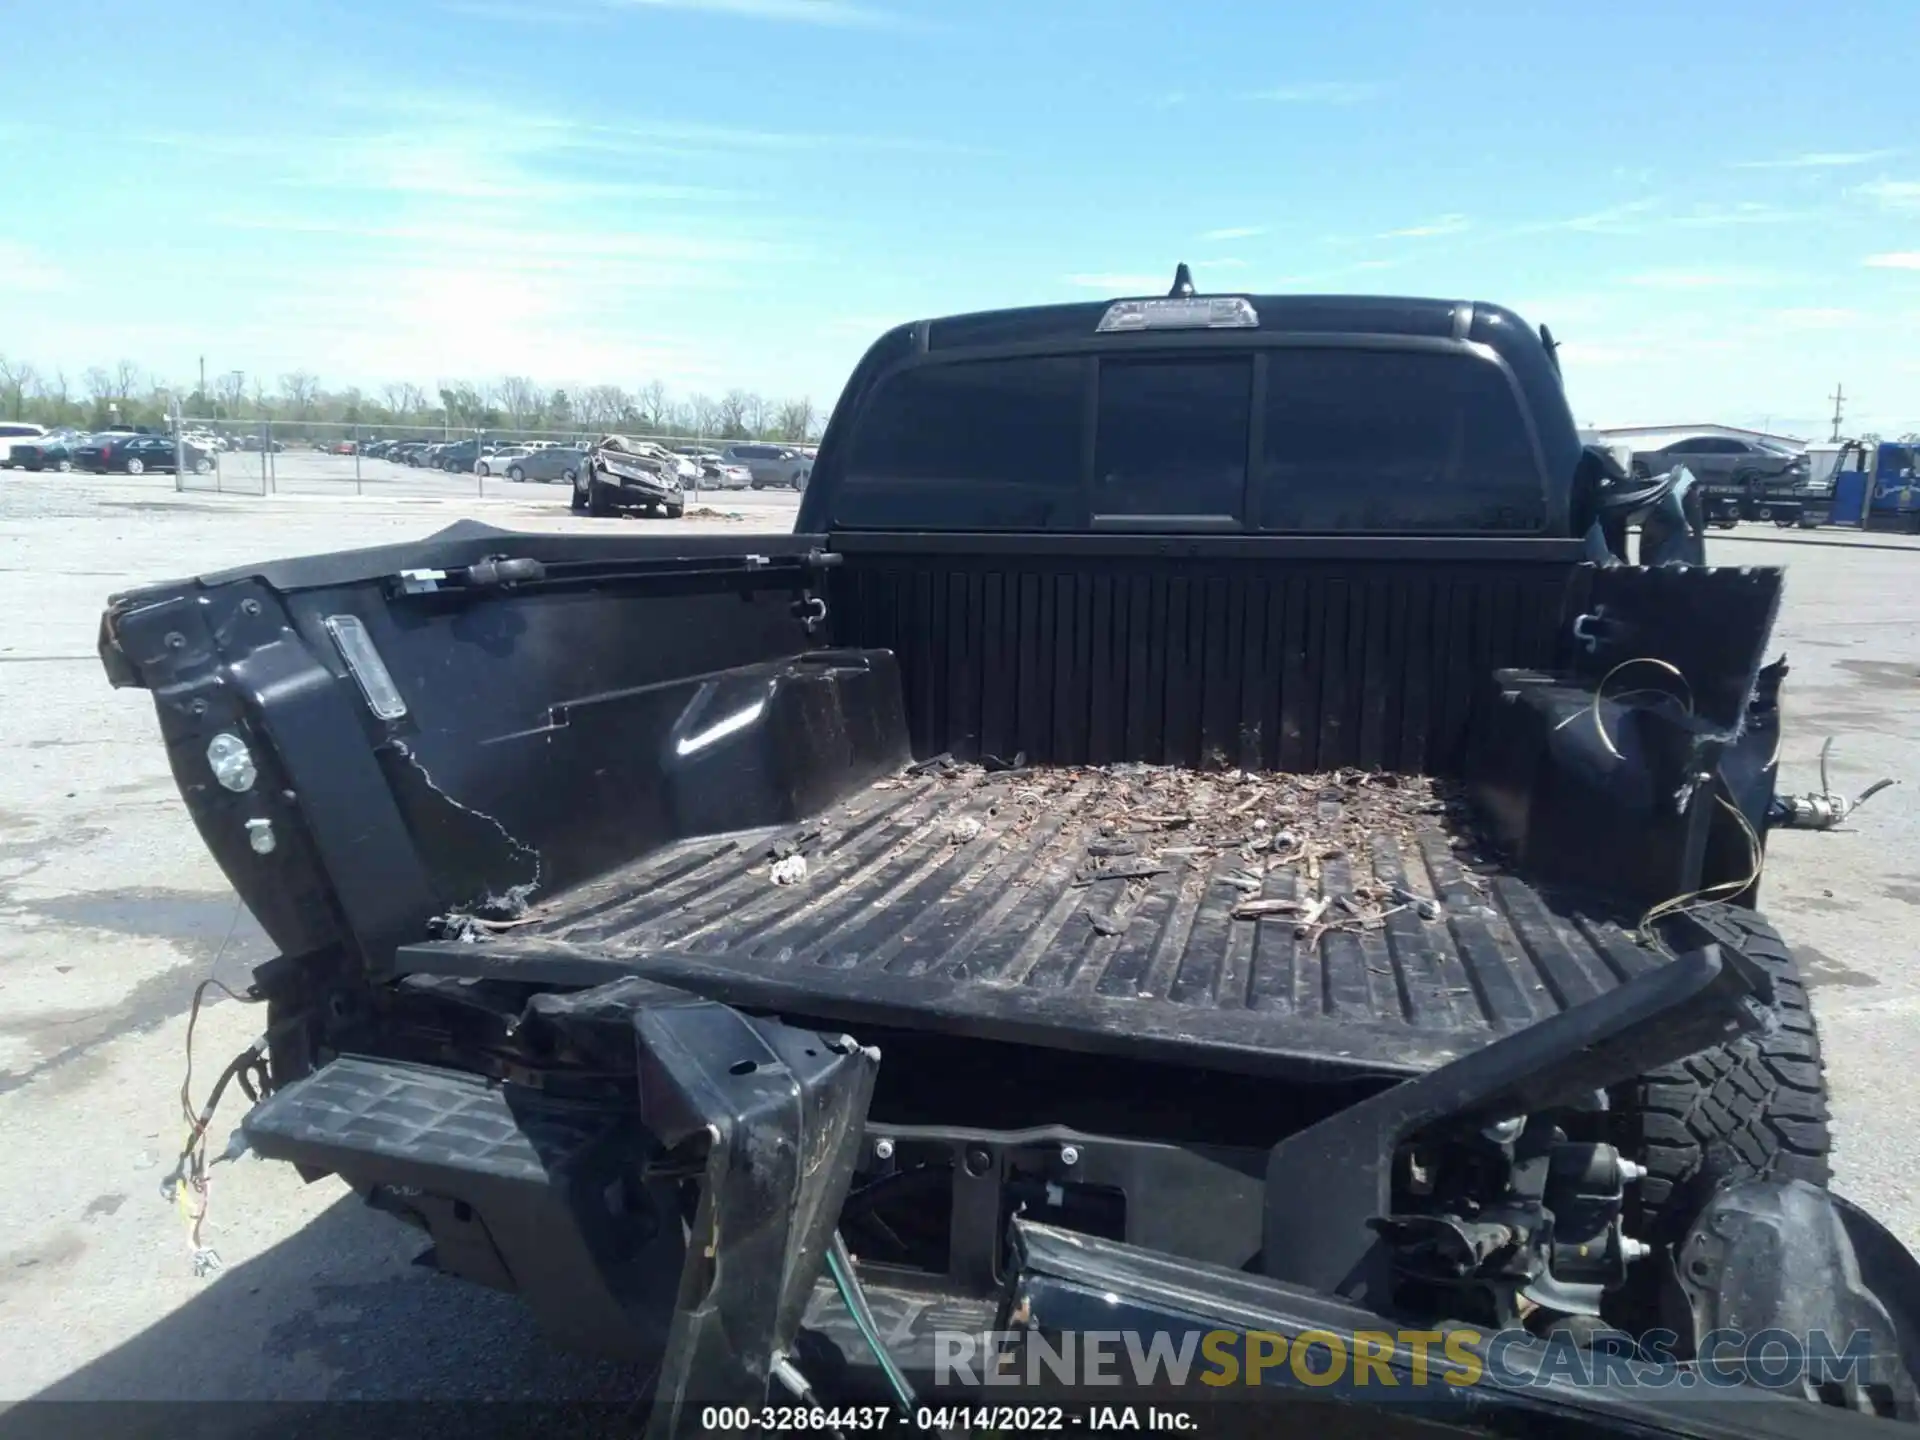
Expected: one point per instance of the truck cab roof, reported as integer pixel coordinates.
(1290, 413)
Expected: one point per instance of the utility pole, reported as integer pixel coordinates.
(1838, 397)
(202, 391)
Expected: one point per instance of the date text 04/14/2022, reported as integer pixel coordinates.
(943, 1418)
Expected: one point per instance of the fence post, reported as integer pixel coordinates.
(479, 480)
(356, 460)
(179, 447)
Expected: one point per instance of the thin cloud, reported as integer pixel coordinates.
(1893, 194)
(24, 271)
(1816, 317)
(1444, 225)
(1322, 92)
(1747, 212)
(838, 13)
(1817, 160)
(1235, 232)
(1622, 219)
(1894, 260)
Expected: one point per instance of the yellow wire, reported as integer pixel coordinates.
(1695, 898)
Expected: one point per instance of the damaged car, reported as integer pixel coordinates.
(617, 473)
(1222, 818)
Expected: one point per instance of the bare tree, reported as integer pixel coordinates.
(656, 407)
(126, 378)
(795, 421)
(414, 399)
(300, 389)
(230, 392)
(702, 415)
(604, 407)
(730, 418)
(99, 386)
(521, 399)
(758, 416)
(18, 379)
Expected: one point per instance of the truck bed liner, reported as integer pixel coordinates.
(1096, 908)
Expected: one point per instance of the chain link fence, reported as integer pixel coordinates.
(294, 457)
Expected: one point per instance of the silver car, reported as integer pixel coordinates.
(558, 462)
(782, 467)
(500, 462)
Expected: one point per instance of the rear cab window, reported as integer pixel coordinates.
(986, 444)
(1313, 438)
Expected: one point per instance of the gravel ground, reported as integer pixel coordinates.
(111, 910)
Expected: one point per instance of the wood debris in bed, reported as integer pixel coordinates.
(1139, 821)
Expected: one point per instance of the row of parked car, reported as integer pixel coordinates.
(743, 466)
(129, 451)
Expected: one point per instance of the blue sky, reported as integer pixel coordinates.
(1716, 206)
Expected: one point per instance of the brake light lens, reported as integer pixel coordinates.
(1199, 312)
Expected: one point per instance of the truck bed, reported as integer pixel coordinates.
(1098, 908)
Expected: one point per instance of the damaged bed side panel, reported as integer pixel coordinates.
(478, 743)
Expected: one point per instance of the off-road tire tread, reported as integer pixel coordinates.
(1755, 1108)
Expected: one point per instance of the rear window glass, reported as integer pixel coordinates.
(1173, 437)
(989, 444)
(1394, 441)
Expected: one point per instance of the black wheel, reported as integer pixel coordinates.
(203, 466)
(578, 502)
(514, 472)
(135, 465)
(597, 502)
(1756, 1108)
(63, 466)
(674, 512)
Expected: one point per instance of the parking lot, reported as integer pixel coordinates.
(111, 911)
(305, 471)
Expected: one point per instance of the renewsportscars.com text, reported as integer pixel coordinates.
(1408, 1361)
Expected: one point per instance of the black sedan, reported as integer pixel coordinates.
(137, 454)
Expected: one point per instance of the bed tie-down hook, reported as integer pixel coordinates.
(1822, 809)
(810, 610)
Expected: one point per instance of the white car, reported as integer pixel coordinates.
(501, 460)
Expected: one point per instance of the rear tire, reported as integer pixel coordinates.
(597, 502)
(1755, 1108)
(63, 466)
(203, 466)
(136, 466)
(515, 473)
(674, 512)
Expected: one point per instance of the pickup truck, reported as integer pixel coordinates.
(1203, 825)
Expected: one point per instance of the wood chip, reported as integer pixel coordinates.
(1124, 870)
(1254, 909)
(1312, 916)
